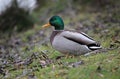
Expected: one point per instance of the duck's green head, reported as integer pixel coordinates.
(57, 22)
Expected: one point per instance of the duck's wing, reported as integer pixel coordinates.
(81, 38)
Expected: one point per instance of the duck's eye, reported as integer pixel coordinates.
(55, 18)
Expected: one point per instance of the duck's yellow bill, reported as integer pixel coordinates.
(46, 25)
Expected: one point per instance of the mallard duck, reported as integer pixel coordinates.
(68, 41)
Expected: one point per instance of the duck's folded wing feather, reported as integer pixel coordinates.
(81, 38)
(77, 37)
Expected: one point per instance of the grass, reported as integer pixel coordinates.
(109, 63)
